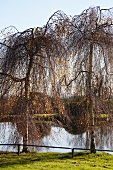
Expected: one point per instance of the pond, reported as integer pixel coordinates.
(57, 137)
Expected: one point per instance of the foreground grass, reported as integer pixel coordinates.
(56, 161)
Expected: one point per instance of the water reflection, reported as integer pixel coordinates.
(58, 137)
(9, 134)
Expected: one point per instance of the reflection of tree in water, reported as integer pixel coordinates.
(104, 137)
(9, 135)
(58, 136)
(9, 131)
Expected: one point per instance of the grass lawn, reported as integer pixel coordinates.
(56, 161)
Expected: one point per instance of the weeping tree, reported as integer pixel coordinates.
(90, 40)
(28, 71)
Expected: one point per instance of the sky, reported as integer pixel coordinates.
(24, 14)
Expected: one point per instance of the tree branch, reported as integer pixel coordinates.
(64, 78)
(11, 77)
(76, 77)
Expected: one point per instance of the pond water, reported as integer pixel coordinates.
(58, 137)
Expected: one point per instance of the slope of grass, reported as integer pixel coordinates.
(56, 161)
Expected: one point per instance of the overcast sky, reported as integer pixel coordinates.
(24, 14)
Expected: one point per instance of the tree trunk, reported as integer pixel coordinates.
(27, 86)
(87, 139)
(92, 145)
(25, 141)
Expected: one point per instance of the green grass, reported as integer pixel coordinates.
(56, 161)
